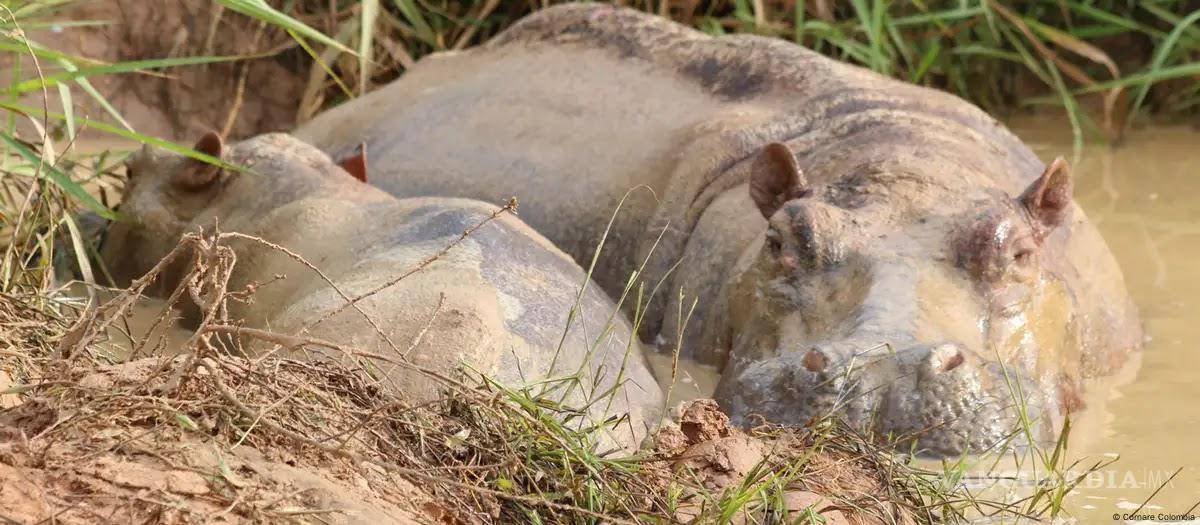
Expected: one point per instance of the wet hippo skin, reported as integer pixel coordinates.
(497, 302)
(852, 243)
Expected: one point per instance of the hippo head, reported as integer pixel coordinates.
(926, 316)
(168, 194)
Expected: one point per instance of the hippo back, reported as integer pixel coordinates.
(503, 302)
(576, 105)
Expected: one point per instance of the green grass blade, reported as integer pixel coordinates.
(927, 60)
(990, 52)
(1092, 32)
(1112, 20)
(73, 73)
(831, 34)
(1168, 17)
(1160, 58)
(412, 13)
(260, 10)
(10, 119)
(798, 24)
(1167, 73)
(81, 253)
(91, 90)
(67, 62)
(323, 64)
(59, 178)
(1072, 109)
(109, 128)
(64, 96)
(43, 52)
(949, 15)
(869, 22)
(901, 46)
(366, 39)
(1027, 58)
(40, 7)
(62, 24)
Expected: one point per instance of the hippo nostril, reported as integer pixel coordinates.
(946, 357)
(815, 361)
(952, 363)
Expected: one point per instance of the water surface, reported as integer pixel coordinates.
(1145, 198)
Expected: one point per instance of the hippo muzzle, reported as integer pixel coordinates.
(946, 399)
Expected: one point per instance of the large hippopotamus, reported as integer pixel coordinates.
(497, 302)
(851, 242)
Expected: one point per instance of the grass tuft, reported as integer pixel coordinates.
(1000, 55)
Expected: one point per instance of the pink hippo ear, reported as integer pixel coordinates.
(197, 174)
(356, 164)
(776, 179)
(1048, 199)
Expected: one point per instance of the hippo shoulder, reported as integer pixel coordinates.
(794, 80)
(545, 299)
(733, 66)
(529, 270)
(737, 67)
(433, 217)
(514, 258)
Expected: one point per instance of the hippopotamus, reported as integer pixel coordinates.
(503, 301)
(838, 241)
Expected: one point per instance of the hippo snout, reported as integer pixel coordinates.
(968, 403)
(947, 398)
(942, 359)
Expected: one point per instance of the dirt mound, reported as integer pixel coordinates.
(94, 452)
(214, 438)
(120, 443)
(91, 434)
(139, 442)
(244, 97)
(813, 476)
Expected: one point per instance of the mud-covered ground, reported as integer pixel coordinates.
(101, 425)
(105, 446)
(229, 440)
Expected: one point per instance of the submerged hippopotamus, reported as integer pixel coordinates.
(497, 302)
(851, 242)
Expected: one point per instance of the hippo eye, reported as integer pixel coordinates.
(1023, 250)
(1023, 256)
(774, 242)
(997, 248)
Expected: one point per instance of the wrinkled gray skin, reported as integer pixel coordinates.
(505, 292)
(882, 259)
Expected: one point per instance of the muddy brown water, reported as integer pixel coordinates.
(1143, 197)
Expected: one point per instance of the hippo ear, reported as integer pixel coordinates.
(197, 174)
(776, 179)
(1048, 199)
(356, 164)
